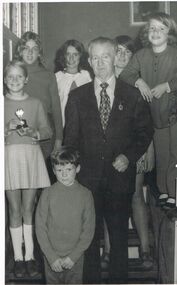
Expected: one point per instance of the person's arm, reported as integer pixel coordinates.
(173, 82)
(56, 111)
(171, 85)
(41, 130)
(71, 131)
(143, 131)
(131, 75)
(11, 126)
(41, 217)
(165, 87)
(88, 229)
(43, 127)
(149, 158)
(131, 72)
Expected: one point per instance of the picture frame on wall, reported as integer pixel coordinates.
(140, 11)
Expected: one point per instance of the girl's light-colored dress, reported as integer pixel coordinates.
(66, 82)
(24, 162)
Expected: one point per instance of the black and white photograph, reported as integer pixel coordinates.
(89, 142)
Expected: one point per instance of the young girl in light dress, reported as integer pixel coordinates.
(71, 73)
(153, 70)
(25, 124)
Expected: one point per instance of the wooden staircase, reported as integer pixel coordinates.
(136, 273)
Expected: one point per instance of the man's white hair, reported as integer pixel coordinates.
(101, 40)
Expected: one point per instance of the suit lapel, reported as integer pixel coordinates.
(93, 106)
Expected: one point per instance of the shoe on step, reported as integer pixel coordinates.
(19, 269)
(170, 204)
(162, 199)
(147, 261)
(31, 268)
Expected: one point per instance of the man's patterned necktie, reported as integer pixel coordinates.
(105, 106)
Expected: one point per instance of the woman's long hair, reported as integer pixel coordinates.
(22, 43)
(60, 59)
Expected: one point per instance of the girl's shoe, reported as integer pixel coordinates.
(170, 204)
(162, 199)
(31, 268)
(105, 260)
(19, 269)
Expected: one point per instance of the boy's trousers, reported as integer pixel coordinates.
(67, 276)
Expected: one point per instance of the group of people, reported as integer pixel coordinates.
(99, 134)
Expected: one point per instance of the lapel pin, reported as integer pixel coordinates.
(121, 107)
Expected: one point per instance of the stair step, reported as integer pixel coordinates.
(133, 239)
(38, 279)
(133, 252)
(136, 271)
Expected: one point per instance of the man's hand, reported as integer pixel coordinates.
(121, 163)
(159, 90)
(57, 146)
(67, 263)
(56, 265)
(144, 89)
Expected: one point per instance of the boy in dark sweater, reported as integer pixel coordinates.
(65, 221)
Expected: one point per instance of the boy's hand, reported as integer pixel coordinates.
(159, 90)
(144, 89)
(56, 265)
(67, 263)
(121, 163)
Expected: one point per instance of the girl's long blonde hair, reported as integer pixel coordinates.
(166, 20)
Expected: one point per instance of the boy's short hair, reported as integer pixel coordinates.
(126, 41)
(65, 155)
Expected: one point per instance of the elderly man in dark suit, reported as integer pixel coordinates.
(110, 124)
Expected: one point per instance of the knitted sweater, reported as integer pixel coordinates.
(34, 115)
(65, 221)
(42, 85)
(154, 69)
